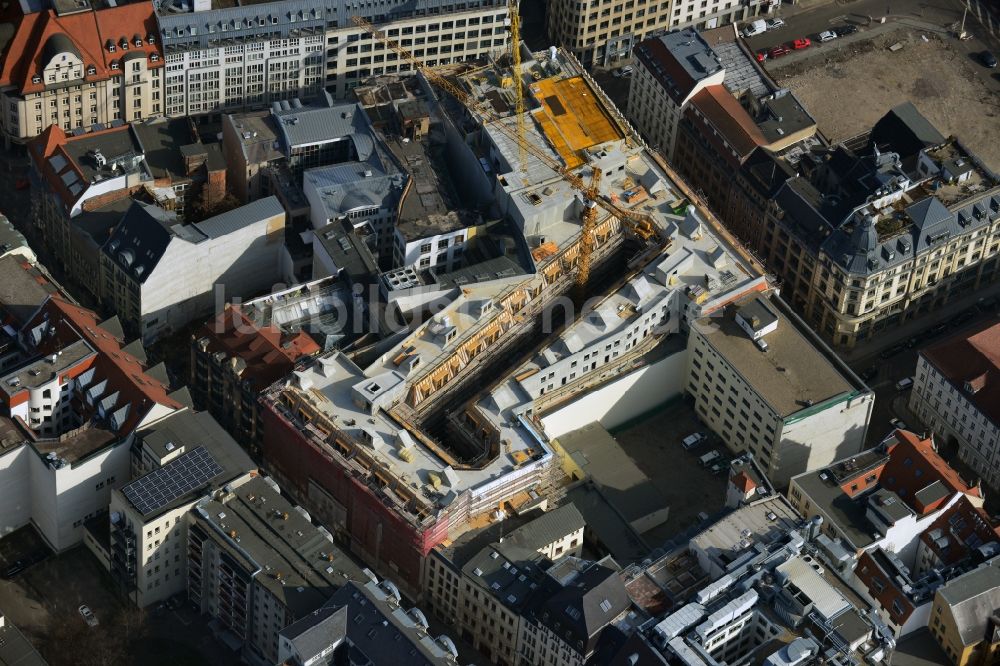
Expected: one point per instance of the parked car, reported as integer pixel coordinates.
(904, 383)
(709, 458)
(988, 59)
(778, 51)
(800, 44)
(761, 56)
(88, 616)
(693, 440)
(846, 29)
(870, 373)
(23, 563)
(623, 72)
(827, 36)
(757, 27)
(897, 423)
(775, 23)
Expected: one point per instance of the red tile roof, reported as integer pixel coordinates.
(743, 483)
(913, 465)
(124, 372)
(51, 142)
(730, 119)
(89, 33)
(962, 527)
(269, 353)
(972, 359)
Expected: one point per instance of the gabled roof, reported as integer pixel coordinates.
(585, 605)
(906, 131)
(973, 599)
(123, 375)
(138, 242)
(43, 35)
(913, 466)
(266, 353)
(731, 120)
(961, 528)
(972, 359)
(928, 213)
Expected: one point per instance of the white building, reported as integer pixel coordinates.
(224, 57)
(766, 384)
(159, 274)
(956, 393)
(68, 421)
(669, 71)
(884, 497)
(176, 461)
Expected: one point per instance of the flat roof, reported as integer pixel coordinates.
(15, 649)
(604, 461)
(572, 117)
(45, 369)
(765, 522)
(299, 562)
(791, 375)
(23, 288)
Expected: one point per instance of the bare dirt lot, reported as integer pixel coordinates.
(848, 89)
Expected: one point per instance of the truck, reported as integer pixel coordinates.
(755, 28)
(709, 458)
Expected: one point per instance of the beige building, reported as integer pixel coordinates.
(602, 32)
(80, 66)
(483, 593)
(175, 462)
(222, 57)
(882, 229)
(964, 617)
(767, 385)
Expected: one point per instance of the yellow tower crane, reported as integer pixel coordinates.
(639, 223)
(587, 236)
(515, 63)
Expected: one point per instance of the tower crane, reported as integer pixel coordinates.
(640, 224)
(515, 63)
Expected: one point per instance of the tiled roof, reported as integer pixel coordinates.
(961, 528)
(729, 118)
(972, 359)
(913, 466)
(268, 354)
(88, 33)
(56, 162)
(126, 376)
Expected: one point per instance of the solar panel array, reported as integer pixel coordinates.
(175, 479)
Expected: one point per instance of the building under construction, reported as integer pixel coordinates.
(409, 450)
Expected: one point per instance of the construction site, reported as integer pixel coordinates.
(445, 427)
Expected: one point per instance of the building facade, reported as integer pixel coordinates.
(79, 66)
(963, 618)
(669, 70)
(257, 564)
(601, 32)
(952, 395)
(148, 525)
(221, 58)
(767, 385)
(881, 229)
(241, 250)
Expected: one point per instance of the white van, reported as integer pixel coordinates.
(709, 458)
(904, 383)
(693, 440)
(755, 28)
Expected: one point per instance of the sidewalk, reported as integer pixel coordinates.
(861, 354)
